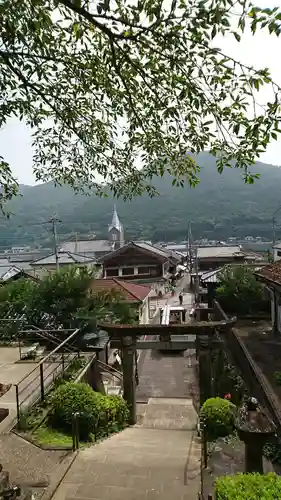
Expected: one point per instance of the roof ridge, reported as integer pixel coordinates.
(126, 285)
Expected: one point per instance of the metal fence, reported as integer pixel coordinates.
(36, 384)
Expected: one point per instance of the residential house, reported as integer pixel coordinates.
(50, 263)
(213, 257)
(135, 294)
(140, 261)
(98, 248)
(271, 276)
(13, 273)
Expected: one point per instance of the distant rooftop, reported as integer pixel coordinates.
(63, 258)
(224, 251)
(272, 272)
(163, 253)
(87, 246)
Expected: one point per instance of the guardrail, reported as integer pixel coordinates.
(255, 381)
(36, 384)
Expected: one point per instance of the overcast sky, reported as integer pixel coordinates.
(261, 50)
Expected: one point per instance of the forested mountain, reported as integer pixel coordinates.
(220, 206)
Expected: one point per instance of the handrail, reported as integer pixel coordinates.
(110, 368)
(48, 337)
(48, 333)
(50, 354)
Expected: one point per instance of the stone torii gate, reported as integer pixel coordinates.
(130, 338)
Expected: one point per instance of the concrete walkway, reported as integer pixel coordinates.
(157, 459)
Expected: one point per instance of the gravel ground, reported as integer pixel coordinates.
(28, 465)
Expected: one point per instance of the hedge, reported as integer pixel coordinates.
(97, 412)
(218, 416)
(248, 487)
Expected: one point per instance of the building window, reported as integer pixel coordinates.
(112, 272)
(127, 271)
(144, 270)
(279, 253)
(149, 271)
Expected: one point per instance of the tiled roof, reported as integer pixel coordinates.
(63, 258)
(219, 251)
(132, 292)
(272, 272)
(165, 252)
(85, 246)
(160, 252)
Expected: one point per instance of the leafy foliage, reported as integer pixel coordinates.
(253, 486)
(217, 415)
(94, 409)
(107, 87)
(239, 291)
(60, 300)
(272, 450)
(277, 378)
(226, 379)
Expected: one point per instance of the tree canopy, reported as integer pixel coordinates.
(240, 293)
(108, 87)
(62, 300)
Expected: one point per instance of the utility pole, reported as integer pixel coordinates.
(189, 247)
(197, 275)
(274, 225)
(54, 222)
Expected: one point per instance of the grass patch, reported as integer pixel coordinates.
(48, 436)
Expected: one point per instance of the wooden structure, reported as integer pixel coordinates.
(130, 338)
(141, 261)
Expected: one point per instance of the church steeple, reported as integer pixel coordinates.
(115, 223)
(115, 229)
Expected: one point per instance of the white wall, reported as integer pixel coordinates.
(144, 312)
(275, 254)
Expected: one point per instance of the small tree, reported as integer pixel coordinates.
(61, 300)
(239, 291)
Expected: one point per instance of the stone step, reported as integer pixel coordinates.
(136, 464)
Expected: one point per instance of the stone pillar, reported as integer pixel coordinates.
(129, 382)
(205, 374)
(254, 428)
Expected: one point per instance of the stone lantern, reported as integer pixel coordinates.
(254, 428)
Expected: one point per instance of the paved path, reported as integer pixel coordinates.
(167, 375)
(159, 459)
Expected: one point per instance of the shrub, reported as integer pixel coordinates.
(218, 417)
(277, 378)
(248, 486)
(96, 411)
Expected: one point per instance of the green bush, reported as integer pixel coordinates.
(248, 487)
(218, 416)
(277, 378)
(97, 412)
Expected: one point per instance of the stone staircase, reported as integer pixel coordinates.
(158, 459)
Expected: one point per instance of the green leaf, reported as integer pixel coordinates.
(237, 36)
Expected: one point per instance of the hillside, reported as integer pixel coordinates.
(220, 206)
